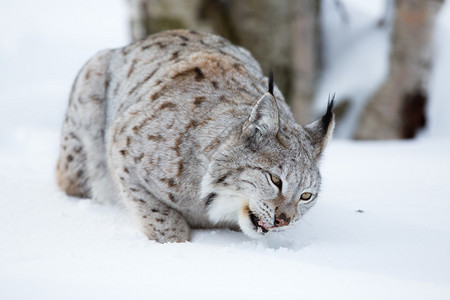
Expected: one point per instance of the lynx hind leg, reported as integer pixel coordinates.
(71, 166)
(82, 167)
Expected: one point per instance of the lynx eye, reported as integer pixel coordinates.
(277, 181)
(306, 196)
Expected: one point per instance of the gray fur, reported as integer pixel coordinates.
(179, 127)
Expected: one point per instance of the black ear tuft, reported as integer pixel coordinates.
(321, 130)
(328, 116)
(271, 82)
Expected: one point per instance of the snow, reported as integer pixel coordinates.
(43, 45)
(54, 246)
(380, 230)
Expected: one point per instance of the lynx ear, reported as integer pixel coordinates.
(321, 130)
(263, 121)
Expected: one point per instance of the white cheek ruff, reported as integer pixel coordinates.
(226, 207)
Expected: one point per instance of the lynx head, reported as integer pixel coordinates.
(267, 177)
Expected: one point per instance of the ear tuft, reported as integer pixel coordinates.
(320, 131)
(328, 117)
(271, 82)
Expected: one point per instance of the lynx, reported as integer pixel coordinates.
(185, 130)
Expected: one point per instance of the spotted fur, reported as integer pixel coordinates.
(185, 130)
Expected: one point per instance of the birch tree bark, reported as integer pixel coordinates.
(397, 110)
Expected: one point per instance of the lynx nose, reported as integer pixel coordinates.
(282, 220)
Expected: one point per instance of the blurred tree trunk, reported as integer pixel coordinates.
(283, 35)
(397, 110)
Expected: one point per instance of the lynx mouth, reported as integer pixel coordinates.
(260, 226)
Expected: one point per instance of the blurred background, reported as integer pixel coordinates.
(386, 60)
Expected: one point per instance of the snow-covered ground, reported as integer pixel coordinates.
(380, 230)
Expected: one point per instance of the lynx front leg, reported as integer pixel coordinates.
(158, 221)
(132, 173)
